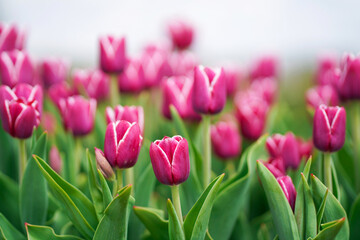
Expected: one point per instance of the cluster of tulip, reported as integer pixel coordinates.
(193, 97)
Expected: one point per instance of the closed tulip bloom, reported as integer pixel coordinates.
(209, 91)
(182, 63)
(181, 34)
(16, 67)
(11, 38)
(112, 54)
(276, 166)
(226, 140)
(103, 164)
(264, 67)
(329, 128)
(55, 159)
(154, 66)
(305, 148)
(349, 82)
(289, 190)
(177, 91)
(132, 79)
(326, 64)
(95, 83)
(322, 95)
(78, 114)
(122, 143)
(284, 147)
(20, 109)
(128, 113)
(53, 71)
(60, 91)
(266, 88)
(170, 160)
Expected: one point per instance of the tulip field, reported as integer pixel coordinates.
(159, 145)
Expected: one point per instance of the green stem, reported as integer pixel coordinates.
(207, 151)
(22, 158)
(114, 91)
(230, 167)
(75, 170)
(327, 171)
(355, 122)
(118, 183)
(130, 177)
(176, 200)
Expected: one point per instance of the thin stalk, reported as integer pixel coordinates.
(176, 200)
(327, 171)
(77, 161)
(130, 177)
(22, 158)
(355, 112)
(207, 151)
(118, 182)
(230, 167)
(114, 91)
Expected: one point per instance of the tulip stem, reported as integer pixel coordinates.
(230, 167)
(130, 176)
(114, 91)
(355, 122)
(207, 151)
(176, 200)
(118, 183)
(75, 170)
(22, 158)
(327, 171)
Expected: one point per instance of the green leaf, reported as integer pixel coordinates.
(175, 229)
(283, 217)
(196, 221)
(106, 193)
(79, 208)
(94, 188)
(331, 230)
(310, 211)
(335, 181)
(8, 230)
(263, 233)
(35, 232)
(355, 219)
(157, 226)
(113, 225)
(333, 210)
(320, 213)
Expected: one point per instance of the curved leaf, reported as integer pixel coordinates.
(157, 226)
(8, 230)
(355, 219)
(175, 229)
(95, 191)
(330, 232)
(43, 232)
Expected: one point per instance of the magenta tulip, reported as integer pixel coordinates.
(209, 91)
(53, 71)
(276, 166)
(20, 109)
(266, 66)
(349, 82)
(16, 67)
(128, 113)
(60, 91)
(132, 79)
(329, 128)
(226, 140)
(326, 67)
(181, 34)
(182, 63)
(322, 95)
(154, 66)
(170, 160)
(112, 54)
(11, 38)
(305, 148)
(266, 88)
(78, 114)
(95, 83)
(289, 190)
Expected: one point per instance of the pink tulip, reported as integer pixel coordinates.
(55, 159)
(11, 38)
(132, 79)
(95, 83)
(276, 166)
(266, 88)
(289, 190)
(226, 140)
(53, 71)
(181, 34)
(170, 160)
(60, 91)
(233, 77)
(322, 95)
(305, 148)
(153, 67)
(326, 65)
(182, 63)
(349, 82)
(264, 67)
(112, 54)
(128, 113)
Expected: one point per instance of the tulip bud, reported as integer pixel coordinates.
(55, 159)
(170, 160)
(53, 71)
(322, 95)
(103, 164)
(266, 88)
(60, 91)
(226, 140)
(326, 65)
(284, 147)
(20, 109)
(16, 67)
(95, 83)
(349, 82)
(289, 190)
(112, 54)
(177, 91)
(128, 113)
(276, 166)
(78, 114)
(329, 128)
(181, 34)
(264, 67)
(122, 143)
(182, 63)
(132, 79)
(209, 91)
(11, 38)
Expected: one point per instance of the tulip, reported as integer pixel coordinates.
(177, 91)
(266, 88)
(276, 166)
(181, 34)
(112, 54)
(154, 66)
(60, 91)
(326, 66)
(322, 95)
(95, 83)
(103, 164)
(11, 38)
(289, 190)
(78, 114)
(170, 160)
(55, 159)
(305, 148)
(128, 113)
(209, 91)
(226, 140)
(182, 63)
(233, 77)
(48, 122)
(53, 71)
(329, 128)
(264, 67)
(20, 109)
(349, 82)
(284, 147)
(16, 67)
(132, 79)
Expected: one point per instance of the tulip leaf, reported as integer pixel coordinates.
(333, 210)
(157, 226)
(355, 219)
(331, 230)
(106, 193)
(310, 211)
(8, 231)
(79, 208)
(233, 192)
(197, 219)
(320, 213)
(113, 225)
(95, 191)
(175, 229)
(35, 232)
(283, 217)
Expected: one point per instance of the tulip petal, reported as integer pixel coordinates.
(129, 147)
(161, 164)
(25, 122)
(201, 96)
(110, 144)
(180, 167)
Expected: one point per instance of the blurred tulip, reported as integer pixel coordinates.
(326, 65)
(226, 140)
(289, 190)
(128, 113)
(11, 38)
(95, 83)
(48, 122)
(153, 66)
(322, 95)
(53, 71)
(112, 54)
(329, 128)
(305, 148)
(16, 67)
(132, 79)
(78, 114)
(104, 165)
(177, 91)
(182, 63)
(181, 34)
(264, 67)
(170, 160)
(60, 91)
(266, 88)
(349, 82)
(55, 159)
(20, 109)
(233, 77)
(209, 90)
